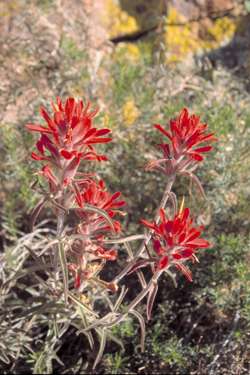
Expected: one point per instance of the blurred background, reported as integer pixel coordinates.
(141, 61)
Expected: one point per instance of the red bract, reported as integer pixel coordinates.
(88, 257)
(68, 137)
(97, 209)
(183, 150)
(96, 195)
(175, 241)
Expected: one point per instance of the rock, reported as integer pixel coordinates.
(184, 27)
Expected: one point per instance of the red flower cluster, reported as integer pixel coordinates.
(175, 241)
(96, 195)
(68, 137)
(181, 153)
(97, 209)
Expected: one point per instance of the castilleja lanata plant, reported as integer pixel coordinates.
(89, 234)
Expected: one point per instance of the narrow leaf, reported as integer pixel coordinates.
(103, 341)
(116, 340)
(79, 303)
(120, 298)
(127, 239)
(143, 327)
(64, 267)
(36, 211)
(101, 212)
(85, 325)
(150, 301)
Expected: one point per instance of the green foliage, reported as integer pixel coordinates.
(243, 276)
(229, 275)
(124, 329)
(247, 5)
(71, 50)
(115, 363)
(45, 5)
(171, 350)
(222, 119)
(15, 175)
(125, 78)
(230, 251)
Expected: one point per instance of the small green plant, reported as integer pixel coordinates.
(115, 363)
(170, 351)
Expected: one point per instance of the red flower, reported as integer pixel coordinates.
(175, 241)
(96, 195)
(181, 152)
(68, 136)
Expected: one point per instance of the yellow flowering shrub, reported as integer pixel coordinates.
(223, 28)
(147, 12)
(8, 7)
(179, 40)
(184, 39)
(119, 21)
(130, 112)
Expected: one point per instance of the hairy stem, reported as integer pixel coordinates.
(142, 294)
(150, 233)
